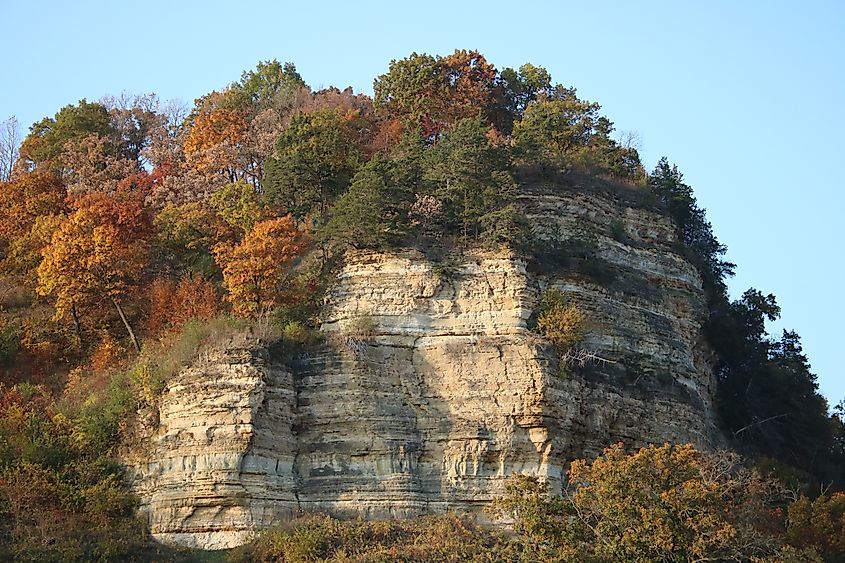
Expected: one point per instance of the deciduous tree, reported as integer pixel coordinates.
(46, 140)
(254, 270)
(98, 253)
(667, 503)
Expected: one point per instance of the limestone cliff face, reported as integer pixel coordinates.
(445, 393)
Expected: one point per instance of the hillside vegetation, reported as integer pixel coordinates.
(133, 232)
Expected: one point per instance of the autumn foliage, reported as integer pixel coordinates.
(255, 269)
(98, 254)
(172, 303)
(133, 230)
(661, 503)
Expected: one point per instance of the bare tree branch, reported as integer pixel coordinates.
(10, 138)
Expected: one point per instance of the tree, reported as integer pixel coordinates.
(98, 253)
(524, 86)
(271, 85)
(91, 164)
(254, 270)
(173, 304)
(434, 93)
(767, 397)
(314, 161)
(239, 205)
(373, 212)
(819, 524)
(470, 176)
(185, 235)
(666, 503)
(134, 119)
(46, 140)
(213, 142)
(694, 231)
(10, 138)
(556, 132)
(27, 197)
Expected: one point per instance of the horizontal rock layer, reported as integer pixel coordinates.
(431, 390)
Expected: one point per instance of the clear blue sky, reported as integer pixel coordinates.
(746, 97)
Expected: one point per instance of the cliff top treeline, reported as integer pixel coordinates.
(130, 229)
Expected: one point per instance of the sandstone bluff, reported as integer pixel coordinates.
(449, 394)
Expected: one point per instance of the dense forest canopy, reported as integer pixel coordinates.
(130, 228)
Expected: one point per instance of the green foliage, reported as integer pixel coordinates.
(185, 235)
(271, 84)
(239, 205)
(559, 131)
(61, 499)
(47, 138)
(767, 396)
(525, 85)
(470, 176)
(315, 159)
(9, 343)
(404, 87)
(373, 212)
(694, 231)
(99, 419)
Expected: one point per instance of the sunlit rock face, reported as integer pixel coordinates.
(446, 392)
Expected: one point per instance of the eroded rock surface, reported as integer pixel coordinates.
(445, 393)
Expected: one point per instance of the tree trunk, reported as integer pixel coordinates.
(126, 324)
(76, 326)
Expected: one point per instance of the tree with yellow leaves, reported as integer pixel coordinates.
(661, 503)
(254, 270)
(96, 254)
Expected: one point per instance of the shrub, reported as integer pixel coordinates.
(667, 503)
(173, 304)
(819, 524)
(9, 344)
(161, 360)
(322, 538)
(361, 328)
(107, 355)
(560, 323)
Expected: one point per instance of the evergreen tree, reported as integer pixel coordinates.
(315, 160)
(471, 177)
(694, 231)
(373, 212)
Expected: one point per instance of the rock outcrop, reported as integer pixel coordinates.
(431, 389)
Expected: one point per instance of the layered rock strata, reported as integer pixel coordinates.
(431, 389)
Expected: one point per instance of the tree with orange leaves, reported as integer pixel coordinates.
(96, 254)
(27, 197)
(254, 270)
(213, 142)
(31, 206)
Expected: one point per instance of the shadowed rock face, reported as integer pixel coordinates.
(446, 396)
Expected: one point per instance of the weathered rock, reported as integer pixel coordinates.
(445, 394)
